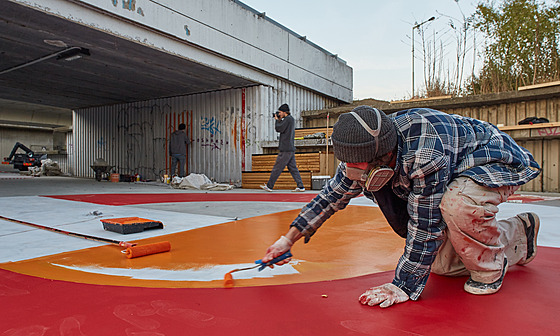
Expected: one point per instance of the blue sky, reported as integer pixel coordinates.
(373, 36)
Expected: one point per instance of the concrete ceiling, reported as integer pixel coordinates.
(117, 71)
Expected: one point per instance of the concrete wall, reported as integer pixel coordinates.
(222, 34)
(34, 139)
(40, 128)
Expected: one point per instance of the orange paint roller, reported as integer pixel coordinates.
(132, 250)
(142, 250)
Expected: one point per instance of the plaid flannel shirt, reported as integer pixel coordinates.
(433, 149)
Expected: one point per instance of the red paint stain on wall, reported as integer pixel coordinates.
(243, 129)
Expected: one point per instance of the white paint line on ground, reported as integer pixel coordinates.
(209, 273)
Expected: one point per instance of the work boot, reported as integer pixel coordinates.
(532, 224)
(481, 288)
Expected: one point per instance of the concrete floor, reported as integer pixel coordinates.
(14, 185)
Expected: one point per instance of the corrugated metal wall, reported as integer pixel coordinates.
(64, 160)
(226, 128)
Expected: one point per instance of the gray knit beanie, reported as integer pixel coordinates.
(352, 143)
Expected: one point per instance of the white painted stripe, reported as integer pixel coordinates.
(209, 273)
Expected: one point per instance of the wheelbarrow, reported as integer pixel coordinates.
(101, 168)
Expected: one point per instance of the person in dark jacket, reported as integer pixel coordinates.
(285, 125)
(438, 180)
(178, 150)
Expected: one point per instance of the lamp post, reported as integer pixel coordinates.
(417, 25)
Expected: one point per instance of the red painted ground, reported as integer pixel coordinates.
(129, 199)
(516, 198)
(527, 304)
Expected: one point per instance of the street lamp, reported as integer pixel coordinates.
(68, 54)
(417, 25)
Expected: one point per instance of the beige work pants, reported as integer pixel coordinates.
(475, 242)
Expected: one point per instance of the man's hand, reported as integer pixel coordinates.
(386, 294)
(281, 246)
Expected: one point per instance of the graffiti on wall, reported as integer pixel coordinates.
(549, 131)
(252, 138)
(101, 144)
(211, 125)
(213, 143)
(138, 146)
(134, 138)
(128, 5)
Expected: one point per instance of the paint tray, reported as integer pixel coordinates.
(128, 225)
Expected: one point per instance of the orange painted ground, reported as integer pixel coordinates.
(353, 243)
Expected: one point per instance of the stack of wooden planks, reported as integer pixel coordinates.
(305, 161)
(309, 164)
(254, 179)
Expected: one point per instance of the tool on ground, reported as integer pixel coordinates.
(132, 250)
(101, 168)
(22, 161)
(228, 278)
(128, 225)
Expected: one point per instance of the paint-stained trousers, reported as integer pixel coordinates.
(475, 242)
(282, 160)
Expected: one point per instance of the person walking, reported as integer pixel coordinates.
(178, 150)
(285, 125)
(438, 180)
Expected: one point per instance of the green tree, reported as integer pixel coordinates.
(522, 44)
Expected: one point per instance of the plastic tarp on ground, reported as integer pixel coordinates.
(198, 181)
(48, 168)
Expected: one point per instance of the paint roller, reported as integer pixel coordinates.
(132, 250)
(228, 278)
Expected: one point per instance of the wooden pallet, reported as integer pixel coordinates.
(304, 161)
(319, 163)
(254, 179)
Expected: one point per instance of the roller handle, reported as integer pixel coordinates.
(273, 261)
(126, 244)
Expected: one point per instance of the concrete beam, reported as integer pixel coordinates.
(222, 34)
